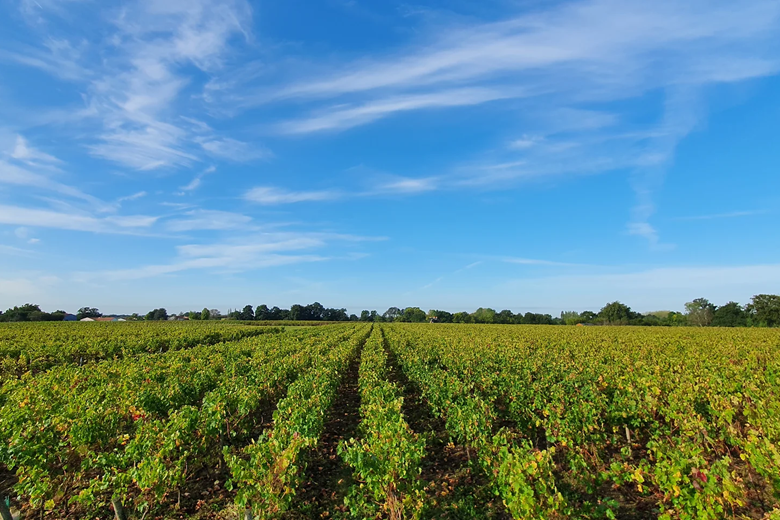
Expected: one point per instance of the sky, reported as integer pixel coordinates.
(523, 155)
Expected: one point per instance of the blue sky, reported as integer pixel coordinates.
(536, 156)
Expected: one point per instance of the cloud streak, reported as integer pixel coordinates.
(267, 195)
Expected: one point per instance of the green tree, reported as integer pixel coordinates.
(765, 310)
(413, 315)
(392, 314)
(296, 312)
(247, 314)
(365, 315)
(462, 317)
(730, 315)
(88, 312)
(505, 316)
(440, 316)
(157, 315)
(700, 312)
(261, 312)
(571, 317)
(484, 315)
(205, 314)
(616, 313)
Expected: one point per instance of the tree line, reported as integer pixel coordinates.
(762, 311)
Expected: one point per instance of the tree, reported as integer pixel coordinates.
(462, 317)
(157, 315)
(375, 317)
(440, 316)
(335, 315)
(765, 310)
(700, 312)
(261, 312)
(88, 312)
(571, 317)
(392, 314)
(505, 316)
(315, 311)
(484, 315)
(365, 316)
(248, 313)
(27, 312)
(730, 315)
(194, 315)
(413, 315)
(616, 313)
(205, 314)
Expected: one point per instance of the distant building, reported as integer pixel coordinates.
(70, 317)
(86, 319)
(107, 318)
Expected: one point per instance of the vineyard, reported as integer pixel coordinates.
(399, 421)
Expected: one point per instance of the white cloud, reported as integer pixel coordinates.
(14, 175)
(132, 221)
(730, 214)
(407, 185)
(233, 150)
(533, 261)
(24, 152)
(347, 117)
(251, 252)
(527, 141)
(197, 180)
(271, 196)
(198, 220)
(134, 77)
(34, 217)
(134, 196)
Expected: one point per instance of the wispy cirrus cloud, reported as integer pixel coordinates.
(135, 196)
(196, 181)
(201, 220)
(249, 253)
(73, 221)
(135, 76)
(726, 215)
(18, 176)
(343, 117)
(556, 62)
(268, 195)
(24, 152)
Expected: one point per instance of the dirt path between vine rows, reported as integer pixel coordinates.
(327, 478)
(455, 489)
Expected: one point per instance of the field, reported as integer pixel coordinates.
(359, 420)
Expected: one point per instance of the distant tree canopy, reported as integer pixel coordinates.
(157, 315)
(765, 310)
(762, 311)
(616, 313)
(700, 312)
(413, 315)
(88, 312)
(30, 312)
(730, 315)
